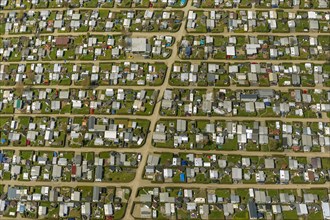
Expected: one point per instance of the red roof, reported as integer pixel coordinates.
(74, 169)
(61, 41)
(311, 176)
(296, 148)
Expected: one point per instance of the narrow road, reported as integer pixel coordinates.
(177, 59)
(147, 183)
(153, 117)
(158, 150)
(188, 6)
(138, 182)
(173, 34)
(137, 87)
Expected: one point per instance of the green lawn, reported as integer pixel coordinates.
(119, 176)
(315, 215)
(120, 213)
(321, 192)
(229, 144)
(4, 120)
(243, 194)
(216, 215)
(166, 158)
(290, 214)
(26, 154)
(241, 215)
(225, 193)
(201, 178)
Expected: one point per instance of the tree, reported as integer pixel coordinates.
(19, 89)
(123, 42)
(20, 15)
(328, 57)
(86, 82)
(30, 75)
(125, 34)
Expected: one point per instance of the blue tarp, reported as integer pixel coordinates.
(184, 163)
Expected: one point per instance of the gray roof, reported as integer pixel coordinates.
(86, 208)
(252, 207)
(99, 172)
(181, 125)
(145, 198)
(57, 171)
(139, 45)
(266, 93)
(249, 97)
(153, 160)
(236, 173)
(96, 193)
(12, 195)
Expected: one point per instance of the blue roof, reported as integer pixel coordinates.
(182, 177)
(22, 208)
(184, 163)
(11, 193)
(260, 215)
(188, 51)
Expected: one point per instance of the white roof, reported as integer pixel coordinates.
(139, 44)
(230, 50)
